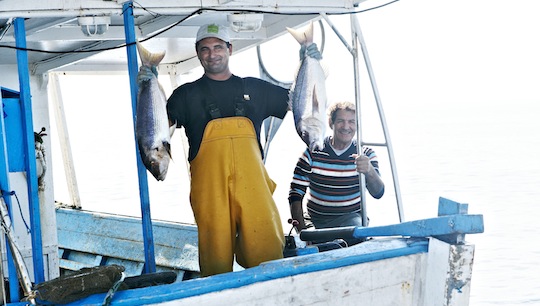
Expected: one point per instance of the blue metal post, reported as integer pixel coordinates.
(129, 28)
(4, 185)
(30, 160)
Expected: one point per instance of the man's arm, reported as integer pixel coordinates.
(374, 183)
(299, 186)
(297, 213)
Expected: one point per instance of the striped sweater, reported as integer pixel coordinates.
(332, 180)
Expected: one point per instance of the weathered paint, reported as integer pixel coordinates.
(119, 238)
(386, 264)
(364, 284)
(449, 270)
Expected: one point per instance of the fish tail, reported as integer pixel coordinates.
(303, 37)
(148, 58)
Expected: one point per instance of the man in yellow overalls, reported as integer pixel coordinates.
(231, 192)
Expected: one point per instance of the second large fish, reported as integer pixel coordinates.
(308, 95)
(152, 125)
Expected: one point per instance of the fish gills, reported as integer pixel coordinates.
(152, 124)
(308, 95)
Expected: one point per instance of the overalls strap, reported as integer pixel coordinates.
(210, 100)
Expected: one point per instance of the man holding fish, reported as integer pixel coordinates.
(231, 192)
(330, 166)
(332, 175)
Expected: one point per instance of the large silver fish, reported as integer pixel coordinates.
(308, 95)
(152, 124)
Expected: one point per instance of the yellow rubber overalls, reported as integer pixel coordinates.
(231, 197)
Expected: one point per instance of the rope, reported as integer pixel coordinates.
(113, 290)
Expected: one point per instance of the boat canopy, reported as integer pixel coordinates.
(89, 35)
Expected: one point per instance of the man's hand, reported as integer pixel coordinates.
(146, 74)
(363, 164)
(374, 183)
(311, 51)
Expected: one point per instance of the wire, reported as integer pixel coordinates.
(196, 12)
(13, 193)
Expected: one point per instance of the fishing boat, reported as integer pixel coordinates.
(417, 262)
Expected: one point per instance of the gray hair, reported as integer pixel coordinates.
(342, 105)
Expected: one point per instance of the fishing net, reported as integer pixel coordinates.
(82, 283)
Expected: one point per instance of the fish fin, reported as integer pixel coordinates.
(148, 58)
(315, 101)
(172, 128)
(303, 37)
(167, 146)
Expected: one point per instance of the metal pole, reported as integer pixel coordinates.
(148, 236)
(362, 178)
(355, 27)
(65, 146)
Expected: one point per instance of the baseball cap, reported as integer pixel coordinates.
(213, 30)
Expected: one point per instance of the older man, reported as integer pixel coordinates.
(332, 175)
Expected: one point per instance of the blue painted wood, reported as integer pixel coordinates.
(5, 188)
(30, 160)
(73, 265)
(266, 271)
(453, 224)
(121, 237)
(441, 226)
(129, 28)
(14, 134)
(449, 207)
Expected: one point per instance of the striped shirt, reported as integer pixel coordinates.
(332, 180)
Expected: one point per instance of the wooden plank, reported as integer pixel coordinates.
(73, 265)
(81, 222)
(121, 237)
(453, 224)
(65, 144)
(444, 225)
(449, 207)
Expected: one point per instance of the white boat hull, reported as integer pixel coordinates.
(380, 271)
